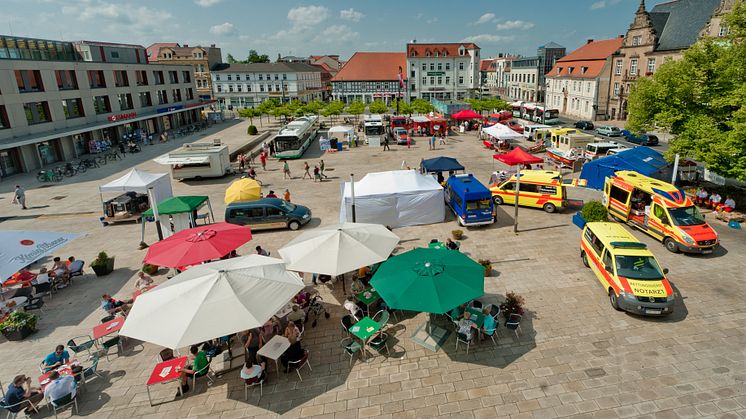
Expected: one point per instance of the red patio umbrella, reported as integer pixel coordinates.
(517, 156)
(197, 245)
(465, 114)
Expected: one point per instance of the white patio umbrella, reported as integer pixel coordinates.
(212, 300)
(340, 248)
(19, 248)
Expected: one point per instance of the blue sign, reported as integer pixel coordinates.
(170, 109)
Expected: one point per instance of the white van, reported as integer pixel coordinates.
(530, 130)
(594, 151)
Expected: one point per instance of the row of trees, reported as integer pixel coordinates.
(701, 100)
(253, 57)
(487, 104)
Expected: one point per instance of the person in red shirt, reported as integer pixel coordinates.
(263, 160)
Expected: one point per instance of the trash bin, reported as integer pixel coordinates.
(340, 146)
(333, 143)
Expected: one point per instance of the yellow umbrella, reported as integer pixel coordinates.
(243, 190)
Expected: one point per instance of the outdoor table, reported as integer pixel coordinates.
(19, 302)
(274, 349)
(166, 372)
(364, 329)
(438, 245)
(108, 328)
(140, 292)
(368, 297)
(476, 316)
(285, 310)
(64, 370)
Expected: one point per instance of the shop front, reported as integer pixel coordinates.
(10, 162)
(49, 152)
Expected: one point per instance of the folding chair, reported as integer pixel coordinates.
(63, 402)
(380, 342)
(83, 345)
(253, 382)
(204, 372)
(299, 364)
(460, 337)
(351, 347)
(514, 323)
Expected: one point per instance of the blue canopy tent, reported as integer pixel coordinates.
(441, 164)
(639, 159)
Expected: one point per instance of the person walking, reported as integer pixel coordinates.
(19, 197)
(286, 195)
(321, 169)
(263, 159)
(271, 148)
(386, 143)
(306, 170)
(409, 141)
(286, 171)
(316, 174)
(432, 142)
(241, 162)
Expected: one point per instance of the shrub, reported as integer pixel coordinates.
(101, 260)
(487, 266)
(251, 130)
(457, 234)
(19, 319)
(513, 304)
(594, 211)
(149, 269)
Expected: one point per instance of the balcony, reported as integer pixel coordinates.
(630, 76)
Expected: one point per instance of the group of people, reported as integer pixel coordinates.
(466, 326)
(714, 201)
(58, 274)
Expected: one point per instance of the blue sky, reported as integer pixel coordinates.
(323, 27)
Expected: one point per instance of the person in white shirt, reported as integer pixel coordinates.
(251, 370)
(715, 200)
(60, 387)
(351, 307)
(466, 326)
(701, 196)
(729, 205)
(41, 278)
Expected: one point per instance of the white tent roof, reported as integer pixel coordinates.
(501, 132)
(341, 128)
(139, 181)
(420, 119)
(397, 181)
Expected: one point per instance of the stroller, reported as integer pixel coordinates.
(315, 308)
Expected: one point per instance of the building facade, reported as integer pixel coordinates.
(54, 105)
(653, 38)
(578, 84)
(487, 75)
(447, 71)
(201, 59)
(716, 27)
(369, 76)
(523, 79)
(237, 86)
(502, 72)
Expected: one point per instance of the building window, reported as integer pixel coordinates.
(29, 81)
(173, 77)
(162, 97)
(424, 66)
(73, 108)
(636, 40)
(424, 81)
(432, 66)
(460, 79)
(158, 76)
(114, 55)
(616, 89)
(440, 66)
(284, 77)
(220, 88)
(432, 80)
(724, 30)
(142, 77)
(440, 80)
(66, 79)
(618, 70)
(260, 77)
(448, 66)
(413, 88)
(189, 93)
(414, 53)
(448, 80)
(238, 88)
(176, 95)
(277, 88)
(230, 77)
(651, 65)
(145, 100)
(120, 78)
(460, 66)
(101, 104)
(277, 76)
(36, 112)
(633, 67)
(217, 77)
(186, 77)
(3, 118)
(261, 87)
(96, 79)
(125, 101)
(230, 88)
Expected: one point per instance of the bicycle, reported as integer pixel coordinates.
(113, 155)
(48, 176)
(90, 163)
(101, 158)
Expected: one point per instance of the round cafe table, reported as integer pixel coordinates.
(19, 302)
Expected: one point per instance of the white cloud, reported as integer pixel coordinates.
(206, 3)
(598, 5)
(337, 34)
(432, 20)
(487, 38)
(223, 29)
(485, 18)
(306, 16)
(514, 24)
(91, 17)
(351, 15)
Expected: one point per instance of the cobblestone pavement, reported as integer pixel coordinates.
(576, 356)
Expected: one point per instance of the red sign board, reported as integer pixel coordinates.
(121, 116)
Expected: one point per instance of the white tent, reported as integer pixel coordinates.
(341, 132)
(396, 199)
(502, 132)
(139, 181)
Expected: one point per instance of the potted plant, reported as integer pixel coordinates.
(457, 234)
(149, 269)
(513, 305)
(487, 266)
(103, 264)
(592, 211)
(18, 325)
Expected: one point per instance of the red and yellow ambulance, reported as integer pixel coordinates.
(539, 189)
(660, 210)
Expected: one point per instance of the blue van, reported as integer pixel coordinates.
(470, 201)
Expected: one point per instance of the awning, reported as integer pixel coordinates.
(420, 119)
(181, 159)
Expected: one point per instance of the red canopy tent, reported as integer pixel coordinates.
(465, 114)
(517, 156)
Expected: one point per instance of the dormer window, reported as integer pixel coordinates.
(570, 69)
(414, 53)
(559, 70)
(427, 54)
(445, 53)
(583, 70)
(437, 53)
(461, 51)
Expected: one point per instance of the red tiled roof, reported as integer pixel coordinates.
(450, 50)
(486, 65)
(587, 61)
(373, 66)
(154, 50)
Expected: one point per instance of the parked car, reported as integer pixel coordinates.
(609, 131)
(514, 125)
(584, 125)
(642, 139)
(401, 136)
(267, 213)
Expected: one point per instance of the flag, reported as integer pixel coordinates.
(401, 78)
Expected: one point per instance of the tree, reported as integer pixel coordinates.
(421, 106)
(266, 107)
(314, 107)
(230, 59)
(378, 106)
(405, 108)
(254, 57)
(356, 108)
(249, 113)
(333, 109)
(701, 100)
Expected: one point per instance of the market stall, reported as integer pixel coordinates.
(133, 198)
(180, 213)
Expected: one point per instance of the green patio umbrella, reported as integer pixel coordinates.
(429, 280)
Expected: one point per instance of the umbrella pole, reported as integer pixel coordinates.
(210, 208)
(517, 197)
(352, 192)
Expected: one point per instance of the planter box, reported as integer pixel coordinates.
(578, 220)
(104, 270)
(17, 334)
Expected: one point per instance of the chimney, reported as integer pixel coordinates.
(212, 45)
(589, 41)
(186, 46)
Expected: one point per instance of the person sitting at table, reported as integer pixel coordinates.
(112, 305)
(60, 273)
(198, 366)
(728, 206)
(489, 325)
(271, 328)
(291, 331)
(41, 278)
(143, 281)
(24, 275)
(293, 353)
(297, 315)
(466, 326)
(451, 244)
(60, 386)
(252, 342)
(16, 393)
(302, 299)
(714, 201)
(59, 357)
(458, 311)
(363, 273)
(253, 371)
(74, 265)
(352, 307)
(357, 286)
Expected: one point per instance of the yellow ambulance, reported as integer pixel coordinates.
(628, 271)
(539, 189)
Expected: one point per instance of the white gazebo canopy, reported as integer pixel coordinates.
(502, 132)
(140, 181)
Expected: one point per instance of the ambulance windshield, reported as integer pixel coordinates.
(687, 216)
(638, 267)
